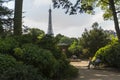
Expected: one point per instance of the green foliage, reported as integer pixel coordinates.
(10, 69)
(94, 39)
(7, 45)
(66, 40)
(63, 42)
(6, 62)
(18, 53)
(58, 37)
(88, 6)
(25, 59)
(75, 48)
(110, 54)
(40, 58)
(47, 42)
(71, 71)
(29, 61)
(111, 9)
(22, 72)
(23, 39)
(36, 34)
(65, 70)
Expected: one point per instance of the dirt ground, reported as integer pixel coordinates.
(95, 74)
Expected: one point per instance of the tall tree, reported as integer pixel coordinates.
(111, 9)
(5, 18)
(18, 17)
(94, 39)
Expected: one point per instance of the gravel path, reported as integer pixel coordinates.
(94, 74)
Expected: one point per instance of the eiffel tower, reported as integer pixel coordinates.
(50, 30)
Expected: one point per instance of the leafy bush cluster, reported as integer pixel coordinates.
(7, 45)
(10, 69)
(23, 59)
(110, 54)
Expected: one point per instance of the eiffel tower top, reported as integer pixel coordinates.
(50, 30)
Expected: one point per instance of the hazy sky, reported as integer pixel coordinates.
(36, 15)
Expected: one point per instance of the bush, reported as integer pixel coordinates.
(36, 63)
(23, 39)
(71, 71)
(18, 52)
(7, 45)
(21, 72)
(65, 70)
(40, 58)
(10, 69)
(47, 64)
(110, 54)
(6, 62)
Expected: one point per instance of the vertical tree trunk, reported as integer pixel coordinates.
(18, 17)
(116, 23)
(1, 30)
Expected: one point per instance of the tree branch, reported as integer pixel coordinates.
(105, 2)
(118, 12)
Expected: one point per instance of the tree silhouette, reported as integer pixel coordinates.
(94, 39)
(111, 9)
(5, 18)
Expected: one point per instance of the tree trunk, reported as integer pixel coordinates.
(18, 17)
(116, 23)
(1, 30)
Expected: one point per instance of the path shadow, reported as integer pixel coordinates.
(96, 74)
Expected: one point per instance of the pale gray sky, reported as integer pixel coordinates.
(36, 15)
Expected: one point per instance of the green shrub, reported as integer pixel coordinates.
(71, 71)
(21, 72)
(36, 63)
(110, 54)
(47, 64)
(6, 62)
(23, 39)
(50, 64)
(40, 58)
(10, 69)
(65, 70)
(18, 53)
(7, 45)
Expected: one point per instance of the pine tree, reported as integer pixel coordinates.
(5, 18)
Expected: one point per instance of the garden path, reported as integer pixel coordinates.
(95, 74)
